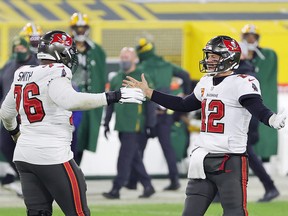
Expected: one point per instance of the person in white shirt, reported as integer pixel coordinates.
(42, 98)
(227, 101)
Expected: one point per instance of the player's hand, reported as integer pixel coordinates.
(277, 121)
(131, 95)
(143, 85)
(16, 136)
(106, 131)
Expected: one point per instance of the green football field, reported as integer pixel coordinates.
(255, 209)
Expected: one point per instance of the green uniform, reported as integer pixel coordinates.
(161, 72)
(267, 76)
(90, 77)
(129, 117)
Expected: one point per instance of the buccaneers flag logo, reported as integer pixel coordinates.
(232, 45)
(62, 39)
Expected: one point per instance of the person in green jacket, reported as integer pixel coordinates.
(161, 73)
(263, 65)
(90, 77)
(130, 123)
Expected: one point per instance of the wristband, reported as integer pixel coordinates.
(15, 131)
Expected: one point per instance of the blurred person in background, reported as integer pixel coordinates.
(265, 63)
(161, 73)
(218, 161)
(32, 33)
(130, 123)
(255, 163)
(184, 125)
(22, 55)
(89, 77)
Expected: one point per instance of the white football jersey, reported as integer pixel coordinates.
(225, 122)
(46, 128)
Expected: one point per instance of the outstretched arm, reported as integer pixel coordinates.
(254, 104)
(176, 103)
(62, 93)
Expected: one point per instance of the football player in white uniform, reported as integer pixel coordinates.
(219, 161)
(42, 98)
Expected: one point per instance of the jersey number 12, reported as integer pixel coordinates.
(216, 112)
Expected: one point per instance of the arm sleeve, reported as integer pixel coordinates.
(187, 104)
(254, 104)
(62, 93)
(8, 111)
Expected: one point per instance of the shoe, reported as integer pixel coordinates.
(131, 186)
(7, 179)
(113, 194)
(269, 195)
(148, 191)
(14, 187)
(173, 186)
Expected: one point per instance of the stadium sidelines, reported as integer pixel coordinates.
(96, 187)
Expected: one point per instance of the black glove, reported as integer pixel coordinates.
(113, 96)
(15, 133)
(106, 131)
(151, 132)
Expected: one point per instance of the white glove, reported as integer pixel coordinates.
(277, 121)
(131, 95)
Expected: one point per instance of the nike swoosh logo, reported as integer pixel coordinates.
(250, 80)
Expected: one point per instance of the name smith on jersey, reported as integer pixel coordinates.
(25, 76)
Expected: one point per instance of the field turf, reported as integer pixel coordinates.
(255, 209)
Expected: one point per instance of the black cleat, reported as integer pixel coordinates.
(173, 186)
(148, 191)
(113, 194)
(269, 195)
(131, 186)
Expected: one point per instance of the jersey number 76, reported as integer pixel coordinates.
(32, 106)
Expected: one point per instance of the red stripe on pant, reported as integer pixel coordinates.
(244, 184)
(75, 189)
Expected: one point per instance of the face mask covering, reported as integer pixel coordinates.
(254, 47)
(20, 56)
(251, 46)
(125, 65)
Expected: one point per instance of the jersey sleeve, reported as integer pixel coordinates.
(247, 85)
(8, 111)
(62, 93)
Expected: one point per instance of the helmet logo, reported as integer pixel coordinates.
(62, 39)
(232, 45)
